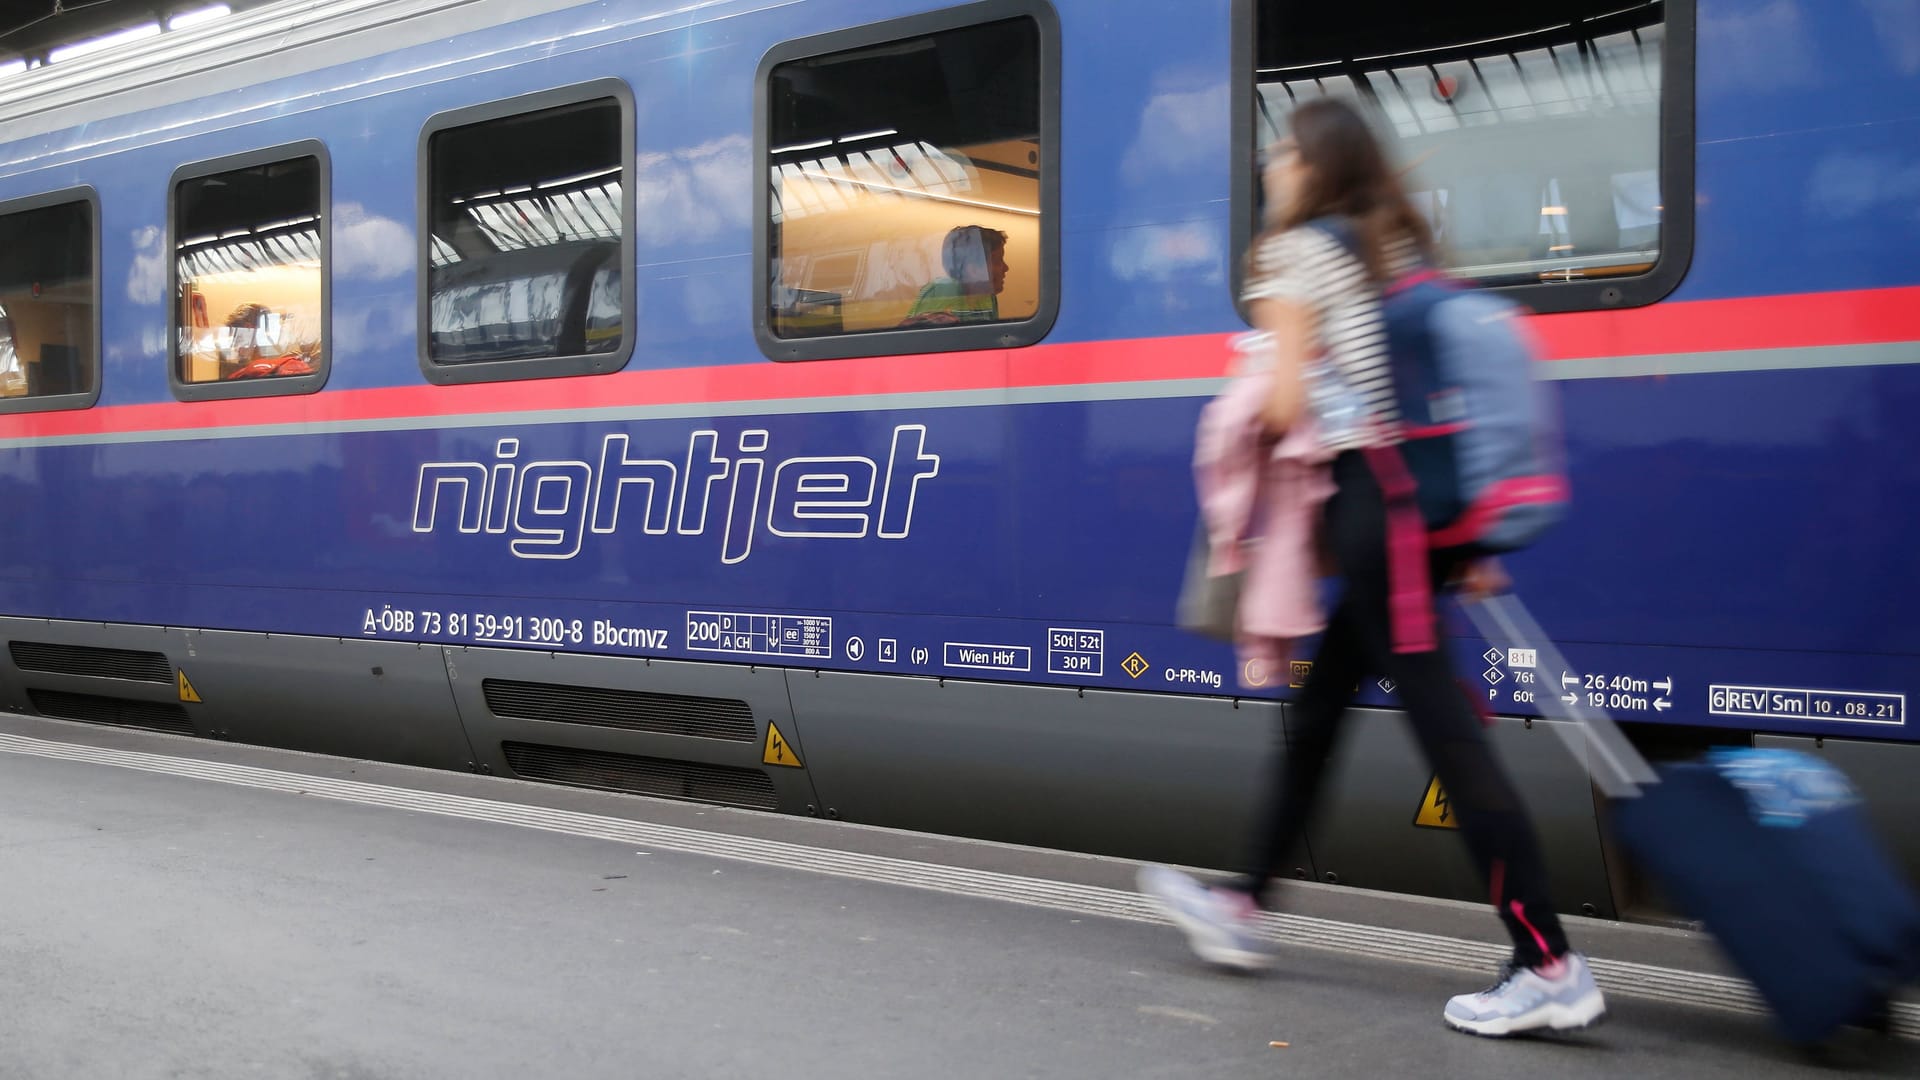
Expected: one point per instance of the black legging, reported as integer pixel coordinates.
(1358, 644)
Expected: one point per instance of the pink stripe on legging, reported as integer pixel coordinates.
(1520, 912)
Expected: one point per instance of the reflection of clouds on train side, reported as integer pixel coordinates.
(373, 322)
(147, 277)
(699, 194)
(710, 298)
(368, 245)
(1179, 144)
(1776, 50)
(1184, 251)
(1896, 23)
(1182, 132)
(146, 284)
(694, 194)
(1848, 186)
(1169, 277)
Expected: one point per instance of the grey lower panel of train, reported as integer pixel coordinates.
(1887, 776)
(1145, 776)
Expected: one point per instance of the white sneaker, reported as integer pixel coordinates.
(1218, 930)
(1525, 999)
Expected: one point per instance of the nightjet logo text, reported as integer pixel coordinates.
(549, 507)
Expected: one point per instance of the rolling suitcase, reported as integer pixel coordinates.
(1768, 849)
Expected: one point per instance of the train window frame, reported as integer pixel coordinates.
(1677, 149)
(279, 386)
(535, 367)
(926, 339)
(82, 193)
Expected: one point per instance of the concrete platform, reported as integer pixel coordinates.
(173, 908)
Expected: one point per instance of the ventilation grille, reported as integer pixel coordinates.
(87, 660)
(721, 785)
(633, 710)
(122, 712)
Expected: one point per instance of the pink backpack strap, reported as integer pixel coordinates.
(1409, 280)
(1410, 593)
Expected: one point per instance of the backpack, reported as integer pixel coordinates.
(1481, 433)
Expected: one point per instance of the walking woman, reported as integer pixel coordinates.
(1339, 226)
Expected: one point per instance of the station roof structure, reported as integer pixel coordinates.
(36, 32)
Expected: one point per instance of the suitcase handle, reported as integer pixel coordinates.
(1589, 733)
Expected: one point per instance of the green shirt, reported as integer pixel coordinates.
(947, 295)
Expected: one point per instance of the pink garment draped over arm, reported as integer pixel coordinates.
(1261, 499)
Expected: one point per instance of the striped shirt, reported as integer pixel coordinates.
(1306, 266)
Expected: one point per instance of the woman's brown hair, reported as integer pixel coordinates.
(1347, 174)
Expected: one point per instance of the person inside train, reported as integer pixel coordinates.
(243, 332)
(255, 350)
(1319, 298)
(975, 258)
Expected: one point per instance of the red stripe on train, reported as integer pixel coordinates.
(1861, 317)
(1797, 321)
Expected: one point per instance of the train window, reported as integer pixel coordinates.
(49, 303)
(912, 185)
(529, 205)
(1548, 141)
(250, 274)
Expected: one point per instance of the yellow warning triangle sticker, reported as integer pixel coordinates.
(1435, 812)
(187, 692)
(778, 752)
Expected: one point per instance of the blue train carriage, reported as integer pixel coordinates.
(790, 407)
